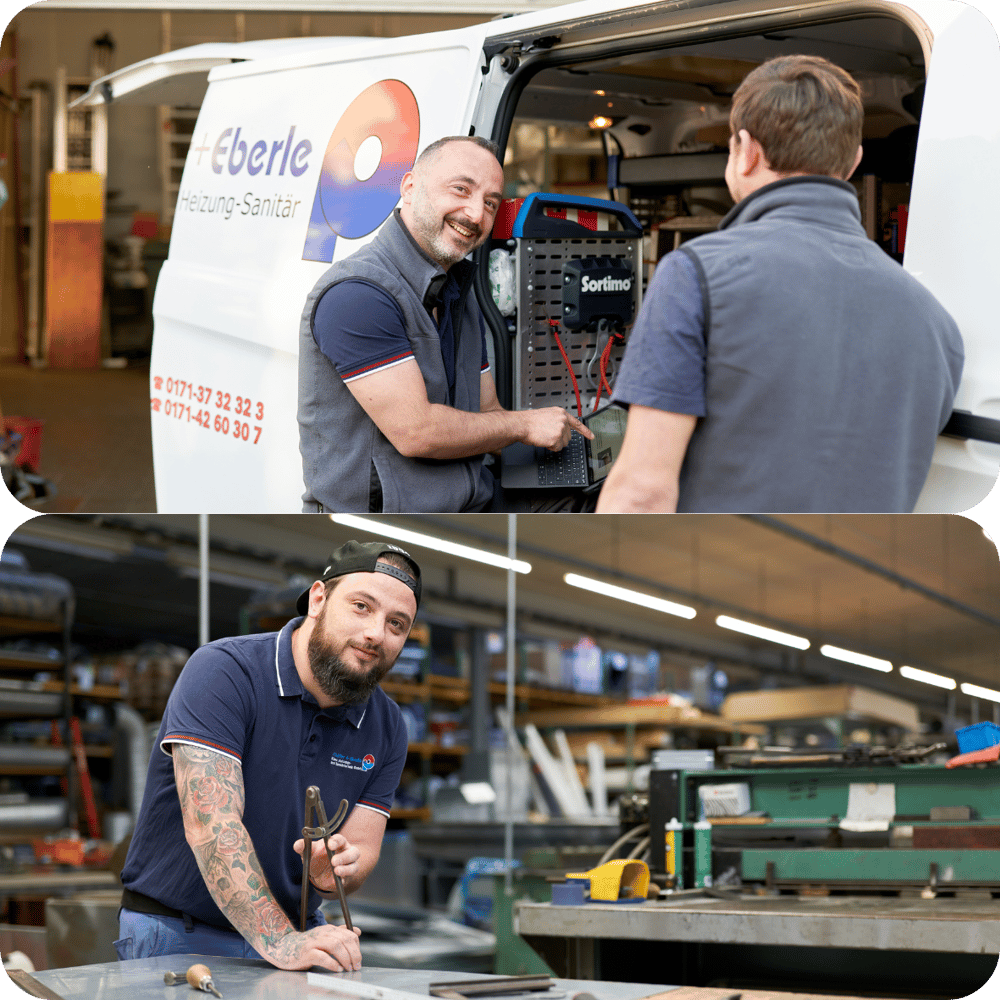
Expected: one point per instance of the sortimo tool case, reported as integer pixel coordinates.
(578, 261)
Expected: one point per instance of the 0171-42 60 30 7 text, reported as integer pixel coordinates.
(185, 407)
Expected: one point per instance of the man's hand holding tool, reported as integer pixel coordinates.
(347, 855)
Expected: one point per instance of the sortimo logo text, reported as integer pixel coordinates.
(257, 155)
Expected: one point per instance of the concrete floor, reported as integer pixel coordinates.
(96, 447)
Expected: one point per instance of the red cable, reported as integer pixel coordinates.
(603, 383)
(554, 323)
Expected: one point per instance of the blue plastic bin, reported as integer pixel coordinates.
(977, 737)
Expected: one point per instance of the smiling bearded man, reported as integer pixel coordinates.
(336, 678)
(214, 866)
(397, 406)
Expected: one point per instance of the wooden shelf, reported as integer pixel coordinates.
(436, 750)
(423, 813)
(553, 696)
(829, 701)
(99, 692)
(13, 624)
(405, 691)
(13, 770)
(457, 690)
(615, 715)
(14, 660)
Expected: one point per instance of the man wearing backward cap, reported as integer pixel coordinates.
(214, 867)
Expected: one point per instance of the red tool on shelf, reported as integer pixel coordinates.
(988, 755)
(83, 772)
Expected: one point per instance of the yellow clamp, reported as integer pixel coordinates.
(615, 881)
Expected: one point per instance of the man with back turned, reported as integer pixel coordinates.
(785, 362)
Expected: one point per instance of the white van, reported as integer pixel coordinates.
(264, 205)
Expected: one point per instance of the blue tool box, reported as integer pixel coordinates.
(977, 737)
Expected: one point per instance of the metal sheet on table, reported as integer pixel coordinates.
(244, 979)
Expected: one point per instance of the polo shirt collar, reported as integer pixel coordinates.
(289, 684)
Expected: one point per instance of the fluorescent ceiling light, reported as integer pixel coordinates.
(926, 677)
(382, 530)
(975, 691)
(760, 632)
(632, 596)
(849, 656)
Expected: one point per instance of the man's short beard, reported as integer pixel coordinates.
(336, 679)
(440, 250)
(430, 227)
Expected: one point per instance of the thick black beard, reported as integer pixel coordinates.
(337, 680)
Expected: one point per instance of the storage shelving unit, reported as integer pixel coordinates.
(33, 605)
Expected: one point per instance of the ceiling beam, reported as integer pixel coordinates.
(869, 566)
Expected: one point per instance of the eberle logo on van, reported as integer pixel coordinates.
(256, 159)
(384, 119)
(253, 156)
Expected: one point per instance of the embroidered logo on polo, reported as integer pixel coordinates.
(365, 763)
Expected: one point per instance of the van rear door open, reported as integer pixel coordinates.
(299, 148)
(955, 179)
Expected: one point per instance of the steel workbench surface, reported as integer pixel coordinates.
(244, 979)
(833, 944)
(969, 926)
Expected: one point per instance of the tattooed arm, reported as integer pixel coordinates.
(210, 788)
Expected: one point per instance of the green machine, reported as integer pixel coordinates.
(855, 827)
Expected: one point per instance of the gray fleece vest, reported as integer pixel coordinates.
(829, 369)
(348, 464)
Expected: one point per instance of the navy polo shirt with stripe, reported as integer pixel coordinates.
(242, 698)
(360, 329)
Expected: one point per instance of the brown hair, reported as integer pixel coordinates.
(805, 112)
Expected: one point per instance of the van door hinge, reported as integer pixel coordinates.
(543, 43)
(509, 52)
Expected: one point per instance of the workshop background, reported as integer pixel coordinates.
(851, 847)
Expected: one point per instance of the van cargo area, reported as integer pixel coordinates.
(657, 118)
(647, 126)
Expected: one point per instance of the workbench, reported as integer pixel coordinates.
(807, 943)
(245, 979)
(55, 883)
